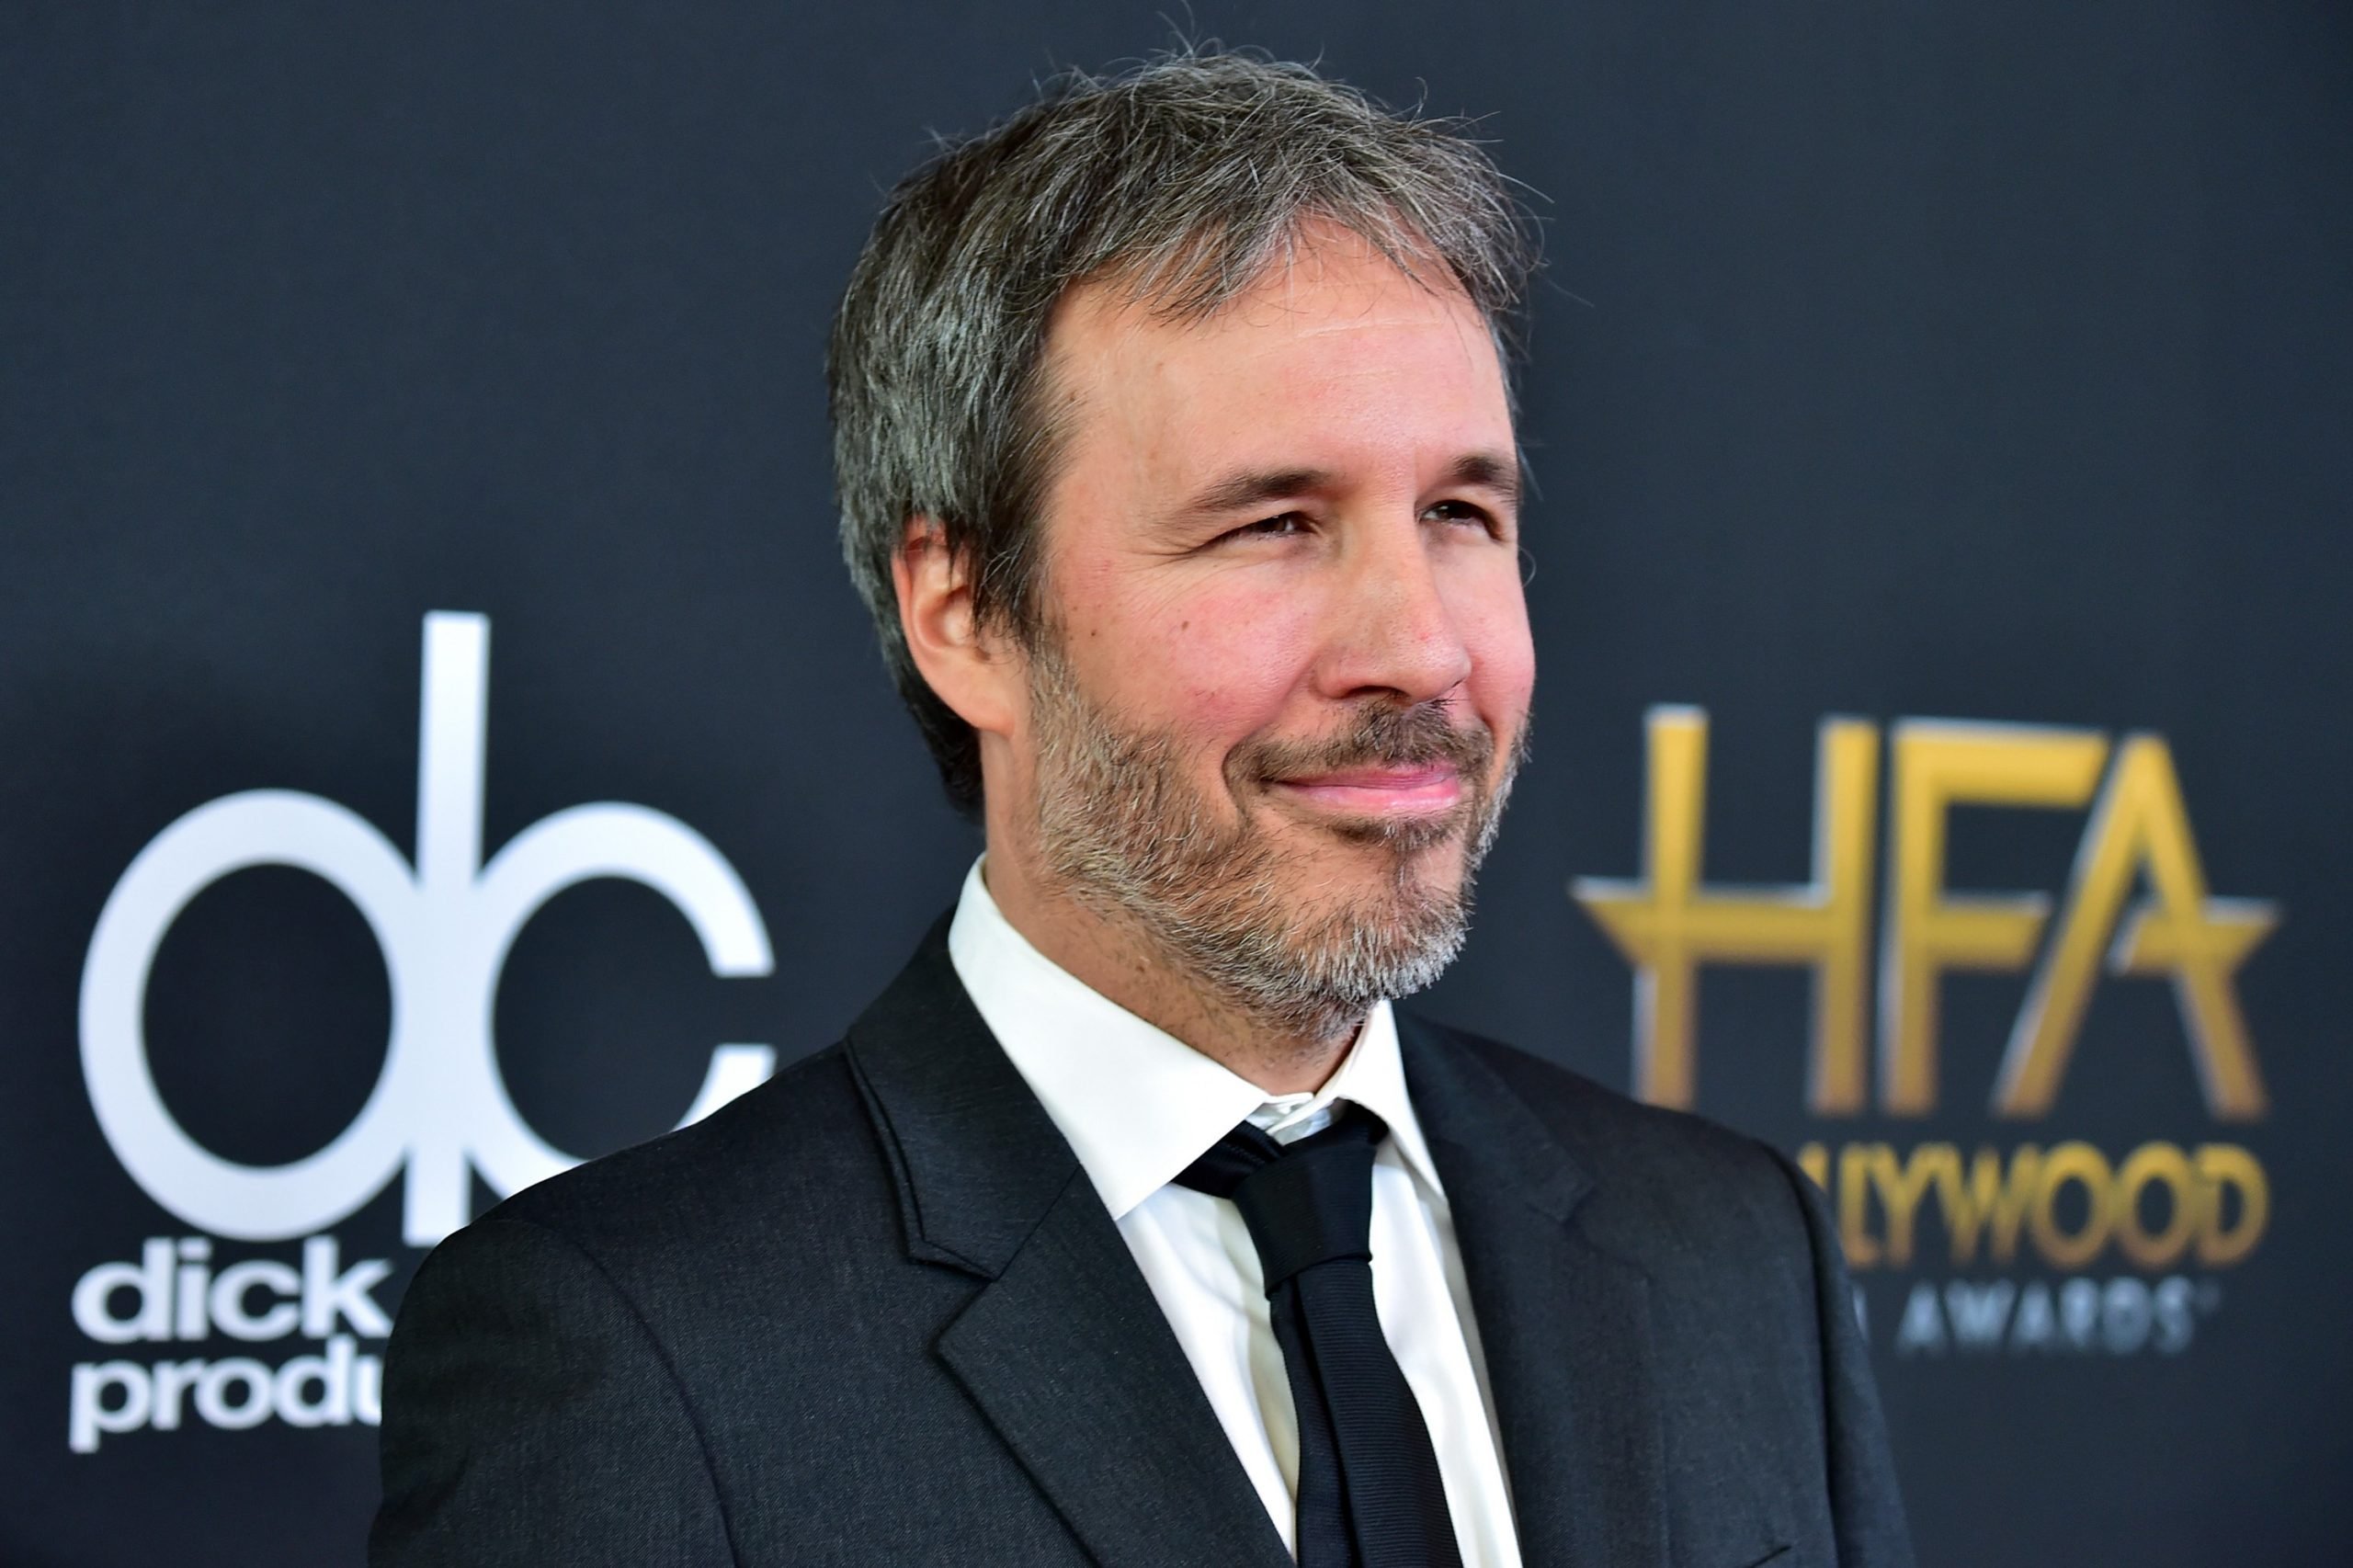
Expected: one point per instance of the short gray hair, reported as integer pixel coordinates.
(1181, 180)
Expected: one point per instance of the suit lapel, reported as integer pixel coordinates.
(1563, 1326)
(1069, 1355)
(1064, 1349)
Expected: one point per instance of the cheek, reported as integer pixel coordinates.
(1217, 659)
(1502, 653)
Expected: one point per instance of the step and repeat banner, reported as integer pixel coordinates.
(441, 743)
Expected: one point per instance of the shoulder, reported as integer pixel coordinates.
(790, 1159)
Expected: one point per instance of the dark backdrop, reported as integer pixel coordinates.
(1987, 362)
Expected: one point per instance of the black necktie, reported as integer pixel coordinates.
(1369, 1495)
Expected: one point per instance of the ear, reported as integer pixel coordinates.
(977, 673)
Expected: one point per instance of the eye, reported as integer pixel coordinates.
(1463, 512)
(1285, 525)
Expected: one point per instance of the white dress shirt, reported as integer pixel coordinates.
(1139, 1106)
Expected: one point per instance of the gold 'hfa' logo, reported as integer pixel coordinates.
(1670, 922)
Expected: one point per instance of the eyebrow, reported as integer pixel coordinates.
(1487, 471)
(1251, 487)
(1239, 492)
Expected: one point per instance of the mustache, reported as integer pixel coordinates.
(1380, 736)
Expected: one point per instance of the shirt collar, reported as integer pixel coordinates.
(1137, 1104)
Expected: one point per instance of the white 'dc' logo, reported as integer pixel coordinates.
(440, 1106)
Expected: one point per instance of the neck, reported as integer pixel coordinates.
(1112, 954)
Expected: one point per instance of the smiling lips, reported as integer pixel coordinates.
(1428, 789)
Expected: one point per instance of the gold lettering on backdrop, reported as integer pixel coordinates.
(2229, 1168)
(2070, 1202)
(1991, 1203)
(2141, 825)
(1669, 924)
(2087, 1167)
(1901, 1187)
(2156, 1164)
(1936, 766)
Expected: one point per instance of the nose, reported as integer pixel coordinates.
(1391, 631)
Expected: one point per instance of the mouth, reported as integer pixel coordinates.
(1428, 789)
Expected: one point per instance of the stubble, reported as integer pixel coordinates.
(1123, 827)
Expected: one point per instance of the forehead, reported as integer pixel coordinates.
(1332, 345)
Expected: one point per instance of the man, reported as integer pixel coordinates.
(1131, 1225)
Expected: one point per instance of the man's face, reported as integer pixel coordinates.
(1284, 675)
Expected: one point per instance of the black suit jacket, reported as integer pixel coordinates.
(874, 1313)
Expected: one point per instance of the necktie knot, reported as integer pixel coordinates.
(1307, 1202)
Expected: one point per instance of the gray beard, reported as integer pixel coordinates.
(1121, 829)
